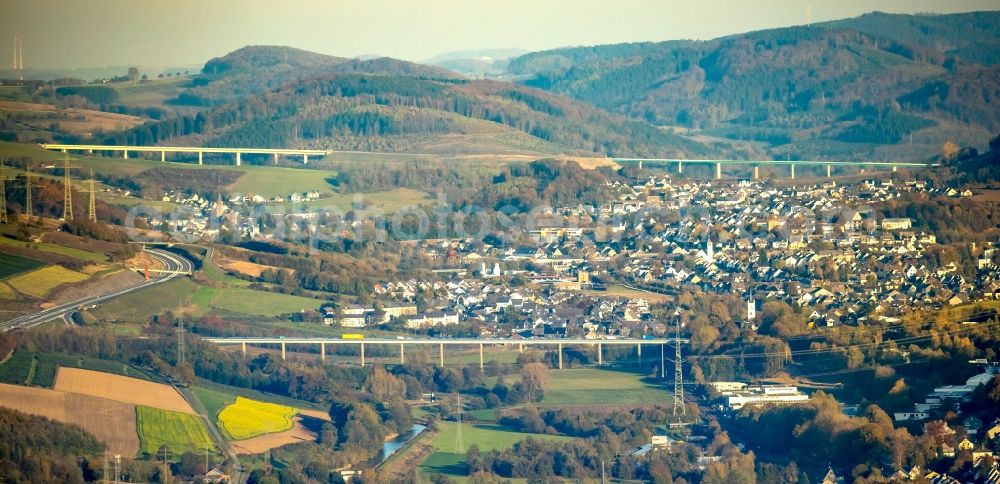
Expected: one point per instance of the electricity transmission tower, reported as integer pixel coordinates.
(679, 408)
(67, 191)
(180, 343)
(27, 191)
(92, 207)
(3, 194)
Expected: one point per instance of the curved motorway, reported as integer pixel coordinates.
(171, 261)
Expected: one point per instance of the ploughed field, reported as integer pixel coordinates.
(112, 423)
(121, 388)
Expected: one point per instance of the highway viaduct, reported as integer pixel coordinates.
(163, 150)
(597, 344)
(276, 152)
(756, 164)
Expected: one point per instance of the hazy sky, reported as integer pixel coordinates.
(89, 33)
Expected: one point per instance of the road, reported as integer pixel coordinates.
(217, 435)
(171, 261)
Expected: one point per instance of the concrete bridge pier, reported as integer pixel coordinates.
(275, 158)
(441, 355)
(600, 355)
(756, 172)
(718, 171)
(244, 345)
(663, 369)
(322, 351)
(125, 154)
(305, 159)
(402, 360)
(238, 161)
(282, 351)
(163, 156)
(64, 150)
(201, 158)
(640, 165)
(828, 171)
(560, 356)
(894, 168)
(793, 171)
(638, 351)
(362, 355)
(480, 357)
(680, 167)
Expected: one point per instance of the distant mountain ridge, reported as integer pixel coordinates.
(265, 96)
(876, 86)
(258, 68)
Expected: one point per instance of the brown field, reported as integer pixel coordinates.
(111, 422)
(592, 163)
(324, 416)
(263, 443)
(244, 267)
(986, 195)
(121, 388)
(80, 121)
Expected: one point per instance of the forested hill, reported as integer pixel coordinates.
(878, 86)
(258, 68)
(971, 37)
(408, 113)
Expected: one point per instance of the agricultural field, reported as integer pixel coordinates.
(11, 265)
(112, 423)
(247, 418)
(7, 292)
(122, 388)
(212, 399)
(246, 301)
(40, 282)
(151, 93)
(18, 368)
(215, 397)
(69, 120)
(246, 268)
(270, 181)
(592, 386)
(387, 201)
(181, 432)
(503, 356)
(263, 443)
(141, 305)
(75, 253)
(447, 459)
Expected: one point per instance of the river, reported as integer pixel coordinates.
(391, 446)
